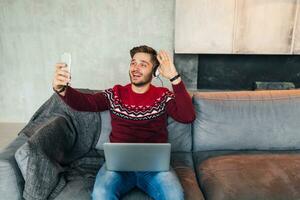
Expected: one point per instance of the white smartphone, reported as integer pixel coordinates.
(66, 58)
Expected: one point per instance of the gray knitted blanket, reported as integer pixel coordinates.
(60, 139)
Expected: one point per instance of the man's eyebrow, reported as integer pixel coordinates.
(141, 61)
(145, 61)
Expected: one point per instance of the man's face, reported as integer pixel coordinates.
(140, 71)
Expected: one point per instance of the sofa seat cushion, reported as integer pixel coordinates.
(11, 181)
(78, 189)
(182, 163)
(256, 176)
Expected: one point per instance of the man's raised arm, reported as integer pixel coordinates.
(181, 107)
(75, 99)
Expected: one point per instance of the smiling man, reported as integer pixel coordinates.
(139, 112)
(135, 74)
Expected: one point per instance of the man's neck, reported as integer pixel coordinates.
(140, 89)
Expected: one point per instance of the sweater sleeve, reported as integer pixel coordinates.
(181, 107)
(85, 102)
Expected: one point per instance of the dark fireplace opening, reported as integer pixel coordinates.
(240, 72)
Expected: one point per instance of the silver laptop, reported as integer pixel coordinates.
(137, 156)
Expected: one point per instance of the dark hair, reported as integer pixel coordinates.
(145, 49)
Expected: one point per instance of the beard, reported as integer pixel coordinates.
(144, 80)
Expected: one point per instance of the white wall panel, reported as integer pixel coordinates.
(264, 26)
(296, 36)
(204, 26)
(237, 26)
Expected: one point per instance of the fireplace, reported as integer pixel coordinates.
(236, 72)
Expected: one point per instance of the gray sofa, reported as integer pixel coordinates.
(242, 145)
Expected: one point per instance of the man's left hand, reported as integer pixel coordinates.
(167, 68)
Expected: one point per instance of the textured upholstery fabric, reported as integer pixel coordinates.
(105, 129)
(180, 136)
(76, 190)
(251, 176)
(183, 164)
(247, 120)
(11, 181)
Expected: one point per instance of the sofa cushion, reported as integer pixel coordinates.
(257, 176)
(11, 181)
(105, 129)
(247, 120)
(179, 134)
(76, 190)
(182, 163)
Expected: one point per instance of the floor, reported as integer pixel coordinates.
(9, 131)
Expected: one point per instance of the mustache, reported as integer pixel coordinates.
(135, 72)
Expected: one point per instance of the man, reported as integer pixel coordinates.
(139, 113)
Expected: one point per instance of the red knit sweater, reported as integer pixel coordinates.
(137, 118)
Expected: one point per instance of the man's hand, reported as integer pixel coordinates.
(61, 77)
(167, 68)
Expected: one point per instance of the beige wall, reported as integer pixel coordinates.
(237, 26)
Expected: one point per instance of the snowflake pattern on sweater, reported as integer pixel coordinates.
(134, 112)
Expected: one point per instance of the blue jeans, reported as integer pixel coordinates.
(112, 185)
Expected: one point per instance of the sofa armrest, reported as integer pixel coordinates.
(11, 181)
(182, 163)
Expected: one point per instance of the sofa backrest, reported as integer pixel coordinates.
(179, 134)
(259, 120)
